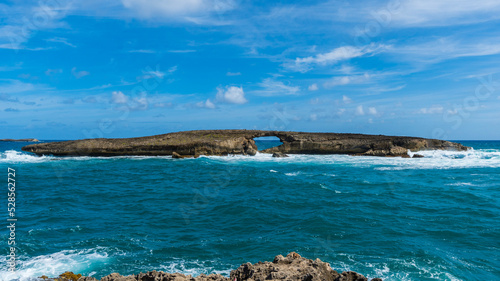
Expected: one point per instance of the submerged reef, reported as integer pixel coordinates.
(291, 267)
(225, 142)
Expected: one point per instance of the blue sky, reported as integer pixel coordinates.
(86, 69)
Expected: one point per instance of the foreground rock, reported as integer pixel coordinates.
(291, 267)
(224, 142)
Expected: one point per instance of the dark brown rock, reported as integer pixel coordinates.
(279, 155)
(351, 276)
(418, 156)
(83, 278)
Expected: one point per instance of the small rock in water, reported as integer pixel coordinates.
(279, 155)
(418, 156)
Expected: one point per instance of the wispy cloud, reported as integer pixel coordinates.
(272, 87)
(334, 56)
(10, 86)
(168, 10)
(345, 80)
(206, 104)
(313, 87)
(435, 109)
(61, 40)
(143, 51)
(181, 51)
(445, 12)
(79, 74)
(444, 49)
(117, 97)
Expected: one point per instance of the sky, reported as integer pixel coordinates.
(129, 68)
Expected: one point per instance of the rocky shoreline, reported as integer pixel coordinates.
(225, 142)
(291, 267)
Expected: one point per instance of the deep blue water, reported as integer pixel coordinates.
(435, 218)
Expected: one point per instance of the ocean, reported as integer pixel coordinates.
(432, 218)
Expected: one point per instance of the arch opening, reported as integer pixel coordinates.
(267, 142)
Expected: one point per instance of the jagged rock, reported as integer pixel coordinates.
(291, 267)
(118, 277)
(251, 151)
(176, 155)
(279, 155)
(87, 279)
(351, 276)
(418, 156)
(224, 142)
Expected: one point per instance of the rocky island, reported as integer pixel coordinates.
(291, 267)
(225, 142)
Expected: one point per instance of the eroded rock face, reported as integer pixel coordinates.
(224, 142)
(291, 267)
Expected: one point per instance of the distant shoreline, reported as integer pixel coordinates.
(20, 140)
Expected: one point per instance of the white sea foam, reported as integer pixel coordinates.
(53, 264)
(193, 268)
(396, 269)
(433, 159)
(13, 156)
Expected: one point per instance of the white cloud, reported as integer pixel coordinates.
(170, 9)
(49, 72)
(372, 111)
(15, 86)
(313, 117)
(346, 99)
(344, 80)
(445, 48)
(436, 109)
(23, 20)
(79, 74)
(118, 97)
(233, 73)
(360, 110)
(232, 94)
(336, 55)
(445, 12)
(273, 87)
(313, 87)
(206, 104)
(156, 73)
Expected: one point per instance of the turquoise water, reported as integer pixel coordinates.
(434, 218)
